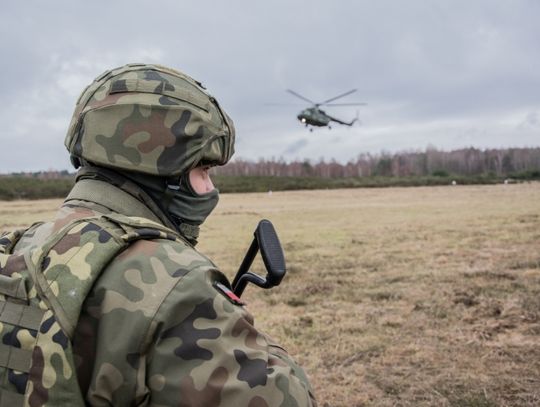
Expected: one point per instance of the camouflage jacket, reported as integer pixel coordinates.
(154, 330)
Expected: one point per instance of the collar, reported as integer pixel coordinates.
(119, 194)
(136, 199)
(111, 197)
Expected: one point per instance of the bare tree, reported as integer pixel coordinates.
(467, 161)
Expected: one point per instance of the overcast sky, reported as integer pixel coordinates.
(449, 74)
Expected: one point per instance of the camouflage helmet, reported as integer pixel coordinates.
(149, 119)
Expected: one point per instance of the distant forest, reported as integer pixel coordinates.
(430, 167)
(518, 162)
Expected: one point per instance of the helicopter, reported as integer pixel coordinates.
(314, 116)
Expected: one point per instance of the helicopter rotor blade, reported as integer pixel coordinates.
(282, 104)
(346, 104)
(339, 96)
(300, 96)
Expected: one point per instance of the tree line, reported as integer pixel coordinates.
(429, 167)
(516, 162)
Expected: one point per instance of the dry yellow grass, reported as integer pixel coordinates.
(394, 297)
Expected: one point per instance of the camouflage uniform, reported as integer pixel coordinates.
(155, 329)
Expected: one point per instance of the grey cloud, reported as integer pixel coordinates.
(430, 71)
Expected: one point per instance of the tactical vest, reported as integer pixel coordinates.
(42, 290)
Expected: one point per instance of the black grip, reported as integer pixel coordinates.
(271, 251)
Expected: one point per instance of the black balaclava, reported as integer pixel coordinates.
(186, 208)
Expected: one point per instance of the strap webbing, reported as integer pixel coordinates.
(189, 231)
(12, 287)
(21, 315)
(11, 399)
(15, 358)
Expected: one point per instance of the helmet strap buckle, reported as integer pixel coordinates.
(172, 185)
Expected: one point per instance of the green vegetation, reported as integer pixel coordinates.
(404, 169)
(527, 175)
(24, 187)
(268, 183)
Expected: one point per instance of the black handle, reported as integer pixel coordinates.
(266, 240)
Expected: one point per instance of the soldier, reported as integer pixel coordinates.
(155, 328)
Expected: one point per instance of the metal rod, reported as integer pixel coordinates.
(238, 283)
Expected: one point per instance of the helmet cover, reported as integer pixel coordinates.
(149, 119)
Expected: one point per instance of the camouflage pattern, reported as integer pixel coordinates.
(154, 330)
(149, 119)
(42, 289)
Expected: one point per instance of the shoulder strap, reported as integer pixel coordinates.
(62, 271)
(65, 268)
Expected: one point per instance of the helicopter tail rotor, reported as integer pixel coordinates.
(357, 118)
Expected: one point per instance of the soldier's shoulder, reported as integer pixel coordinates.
(173, 255)
(147, 280)
(153, 267)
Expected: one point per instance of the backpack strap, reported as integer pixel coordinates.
(42, 291)
(66, 267)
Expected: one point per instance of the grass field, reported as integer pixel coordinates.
(394, 297)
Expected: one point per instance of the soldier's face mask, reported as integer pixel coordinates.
(187, 206)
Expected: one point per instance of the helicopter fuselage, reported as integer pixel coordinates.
(314, 117)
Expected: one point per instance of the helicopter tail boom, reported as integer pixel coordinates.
(343, 122)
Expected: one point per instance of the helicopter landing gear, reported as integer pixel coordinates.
(311, 129)
(329, 127)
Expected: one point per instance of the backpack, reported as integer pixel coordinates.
(42, 290)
